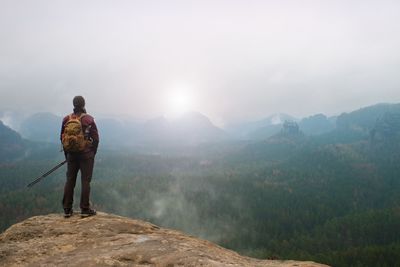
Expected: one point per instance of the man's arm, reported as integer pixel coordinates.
(61, 133)
(62, 129)
(94, 135)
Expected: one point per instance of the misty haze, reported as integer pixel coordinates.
(271, 128)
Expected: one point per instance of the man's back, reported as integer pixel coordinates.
(81, 160)
(89, 128)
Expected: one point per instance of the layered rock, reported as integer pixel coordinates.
(110, 240)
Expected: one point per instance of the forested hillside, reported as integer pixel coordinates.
(331, 198)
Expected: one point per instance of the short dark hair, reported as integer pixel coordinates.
(78, 101)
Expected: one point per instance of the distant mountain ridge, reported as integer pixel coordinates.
(190, 129)
(194, 128)
(359, 122)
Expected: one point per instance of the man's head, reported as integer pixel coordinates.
(78, 101)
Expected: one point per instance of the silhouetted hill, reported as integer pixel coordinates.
(387, 128)
(190, 129)
(116, 131)
(261, 129)
(364, 119)
(316, 125)
(196, 128)
(43, 127)
(12, 118)
(385, 136)
(11, 143)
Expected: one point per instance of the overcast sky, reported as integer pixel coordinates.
(230, 60)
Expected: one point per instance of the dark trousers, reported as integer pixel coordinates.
(84, 163)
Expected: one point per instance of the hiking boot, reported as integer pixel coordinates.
(68, 213)
(88, 212)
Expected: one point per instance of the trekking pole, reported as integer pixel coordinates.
(47, 173)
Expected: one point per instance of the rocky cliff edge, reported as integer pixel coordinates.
(110, 240)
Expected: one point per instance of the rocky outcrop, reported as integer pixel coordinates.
(109, 240)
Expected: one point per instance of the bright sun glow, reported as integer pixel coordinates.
(179, 102)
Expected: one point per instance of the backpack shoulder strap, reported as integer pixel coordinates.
(82, 115)
(68, 118)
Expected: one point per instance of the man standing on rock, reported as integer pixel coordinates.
(80, 139)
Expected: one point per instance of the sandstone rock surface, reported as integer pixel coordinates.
(110, 240)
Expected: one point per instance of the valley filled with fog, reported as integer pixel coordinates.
(318, 188)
